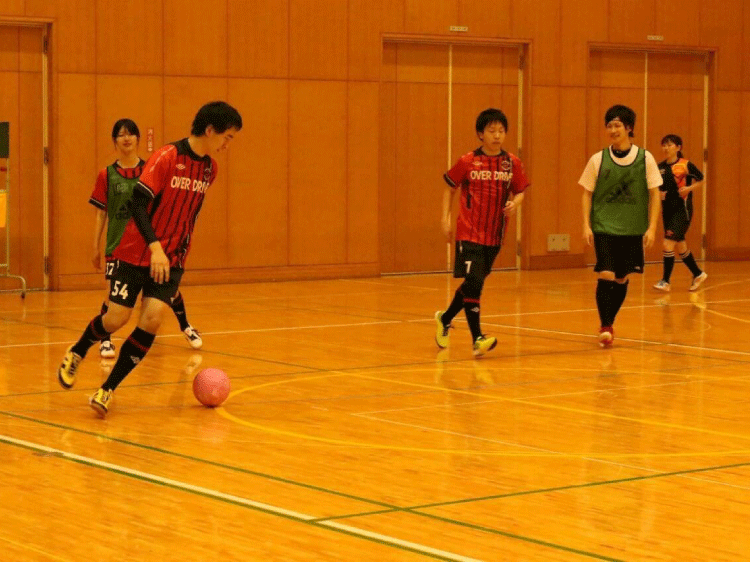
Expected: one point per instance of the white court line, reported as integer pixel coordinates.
(548, 451)
(229, 498)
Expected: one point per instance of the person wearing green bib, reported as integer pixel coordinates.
(621, 205)
(112, 192)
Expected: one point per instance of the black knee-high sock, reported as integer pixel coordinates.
(455, 307)
(604, 301)
(618, 297)
(105, 308)
(689, 261)
(178, 307)
(668, 265)
(471, 309)
(132, 352)
(93, 333)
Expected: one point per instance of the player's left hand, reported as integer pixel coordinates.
(159, 264)
(510, 208)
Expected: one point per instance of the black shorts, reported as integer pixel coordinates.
(676, 218)
(473, 258)
(621, 254)
(128, 280)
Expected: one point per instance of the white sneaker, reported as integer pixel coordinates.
(107, 350)
(662, 286)
(698, 281)
(193, 337)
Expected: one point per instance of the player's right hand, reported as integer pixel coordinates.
(159, 263)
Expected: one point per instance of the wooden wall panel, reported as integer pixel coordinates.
(195, 38)
(318, 39)
(727, 146)
(572, 160)
(367, 21)
(12, 8)
(681, 26)
(422, 63)
(430, 17)
(485, 64)
(75, 170)
(545, 102)
(631, 21)
(9, 109)
(183, 96)
(74, 42)
(258, 34)
(484, 21)
(746, 48)
(127, 96)
(721, 26)
(9, 42)
(317, 173)
(574, 37)
(387, 177)
(29, 254)
(540, 20)
(258, 175)
(744, 191)
(30, 49)
(676, 70)
(120, 50)
(362, 173)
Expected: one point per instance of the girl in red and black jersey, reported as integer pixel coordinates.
(681, 178)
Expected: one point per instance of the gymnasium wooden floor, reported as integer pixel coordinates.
(349, 437)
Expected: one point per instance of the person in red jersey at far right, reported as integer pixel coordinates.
(492, 184)
(152, 251)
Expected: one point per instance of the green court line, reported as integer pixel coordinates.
(542, 491)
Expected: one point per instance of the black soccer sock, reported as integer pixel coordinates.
(668, 265)
(604, 301)
(618, 297)
(178, 307)
(133, 350)
(454, 308)
(471, 309)
(689, 261)
(93, 333)
(105, 308)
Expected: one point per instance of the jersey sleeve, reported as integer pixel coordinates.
(653, 175)
(157, 171)
(457, 174)
(591, 172)
(694, 174)
(519, 182)
(99, 196)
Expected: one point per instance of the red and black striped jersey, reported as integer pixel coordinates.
(486, 183)
(176, 179)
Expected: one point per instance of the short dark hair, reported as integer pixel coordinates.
(674, 139)
(219, 114)
(491, 115)
(129, 125)
(624, 114)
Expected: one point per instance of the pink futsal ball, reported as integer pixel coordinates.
(211, 387)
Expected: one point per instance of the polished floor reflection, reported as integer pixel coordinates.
(349, 436)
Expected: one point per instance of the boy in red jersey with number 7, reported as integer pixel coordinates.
(152, 251)
(492, 183)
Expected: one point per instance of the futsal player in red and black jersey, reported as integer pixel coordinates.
(681, 177)
(151, 254)
(492, 183)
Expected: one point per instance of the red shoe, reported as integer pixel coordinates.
(606, 336)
